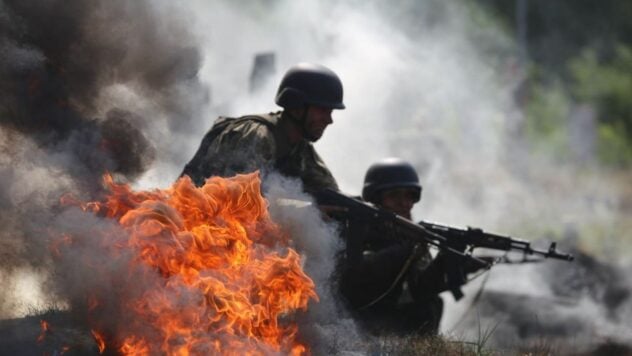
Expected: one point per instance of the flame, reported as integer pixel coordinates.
(45, 328)
(228, 282)
(99, 339)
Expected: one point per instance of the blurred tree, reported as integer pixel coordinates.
(580, 52)
(547, 113)
(608, 86)
(557, 31)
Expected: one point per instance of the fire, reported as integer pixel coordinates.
(99, 339)
(45, 328)
(208, 271)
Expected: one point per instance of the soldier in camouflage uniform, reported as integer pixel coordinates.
(280, 141)
(392, 285)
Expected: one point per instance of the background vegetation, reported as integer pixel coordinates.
(579, 55)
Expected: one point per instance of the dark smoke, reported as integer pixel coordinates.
(58, 57)
(578, 306)
(61, 128)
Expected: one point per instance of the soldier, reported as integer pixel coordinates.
(392, 285)
(280, 141)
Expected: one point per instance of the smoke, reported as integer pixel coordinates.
(125, 87)
(101, 84)
(569, 307)
(86, 88)
(135, 278)
(327, 325)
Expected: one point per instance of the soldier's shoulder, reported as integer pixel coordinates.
(268, 119)
(253, 120)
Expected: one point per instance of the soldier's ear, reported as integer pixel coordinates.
(298, 114)
(290, 98)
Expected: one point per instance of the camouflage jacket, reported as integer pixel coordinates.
(374, 258)
(257, 142)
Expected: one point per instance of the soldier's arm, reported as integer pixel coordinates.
(315, 174)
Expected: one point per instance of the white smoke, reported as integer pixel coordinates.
(327, 322)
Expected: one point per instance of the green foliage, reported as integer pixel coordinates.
(615, 147)
(546, 116)
(583, 55)
(558, 31)
(603, 85)
(607, 85)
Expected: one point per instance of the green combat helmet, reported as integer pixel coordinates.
(310, 84)
(390, 173)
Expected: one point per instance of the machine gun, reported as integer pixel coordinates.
(456, 244)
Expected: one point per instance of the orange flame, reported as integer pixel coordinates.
(45, 328)
(100, 340)
(229, 282)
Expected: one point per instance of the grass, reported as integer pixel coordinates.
(65, 332)
(426, 345)
(47, 309)
(444, 345)
(449, 345)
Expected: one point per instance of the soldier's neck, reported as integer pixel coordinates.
(292, 128)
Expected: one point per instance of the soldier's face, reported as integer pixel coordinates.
(399, 201)
(316, 121)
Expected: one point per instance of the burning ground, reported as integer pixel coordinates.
(187, 270)
(176, 271)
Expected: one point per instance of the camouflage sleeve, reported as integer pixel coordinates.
(314, 173)
(241, 148)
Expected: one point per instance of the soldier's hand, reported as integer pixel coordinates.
(332, 211)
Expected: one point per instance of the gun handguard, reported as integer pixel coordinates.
(475, 237)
